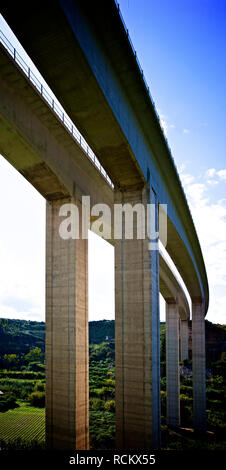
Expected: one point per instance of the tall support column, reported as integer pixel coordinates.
(67, 385)
(172, 365)
(199, 367)
(137, 335)
(183, 340)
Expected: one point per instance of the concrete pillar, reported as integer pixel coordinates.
(199, 367)
(183, 340)
(67, 360)
(137, 335)
(172, 365)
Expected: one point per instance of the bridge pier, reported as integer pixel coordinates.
(137, 336)
(67, 387)
(199, 367)
(172, 365)
(183, 339)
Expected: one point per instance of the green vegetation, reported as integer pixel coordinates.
(22, 386)
(102, 393)
(19, 337)
(22, 428)
(99, 331)
(37, 399)
(7, 402)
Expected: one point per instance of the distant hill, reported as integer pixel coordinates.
(19, 336)
(101, 330)
(215, 341)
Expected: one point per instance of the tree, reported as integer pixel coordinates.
(34, 355)
(37, 399)
(10, 361)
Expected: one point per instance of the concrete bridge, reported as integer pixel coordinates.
(93, 70)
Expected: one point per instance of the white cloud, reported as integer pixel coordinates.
(165, 124)
(186, 178)
(210, 221)
(213, 182)
(222, 174)
(210, 173)
(186, 131)
(195, 193)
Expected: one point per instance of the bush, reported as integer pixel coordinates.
(96, 404)
(186, 390)
(7, 402)
(214, 405)
(184, 399)
(163, 402)
(37, 399)
(215, 394)
(39, 387)
(110, 406)
(17, 387)
(36, 367)
(29, 375)
(163, 383)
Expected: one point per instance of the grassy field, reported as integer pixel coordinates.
(25, 422)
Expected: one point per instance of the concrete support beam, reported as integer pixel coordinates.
(137, 336)
(199, 367)
(66, 337)
(183, 340)
(172, 365)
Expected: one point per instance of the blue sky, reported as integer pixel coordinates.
(181, 47)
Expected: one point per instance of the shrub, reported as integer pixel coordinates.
(186, 390)
(96, 404)
(110, 406)
(29, 375)
(163, 402)
(163, 383)
(214, 394)
(184, 399)
(39, 387)
(17, 387)
(36, 367)
(7, 402)
(37, 399)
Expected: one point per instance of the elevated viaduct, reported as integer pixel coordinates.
(92, 69)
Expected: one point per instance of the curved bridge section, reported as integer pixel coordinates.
(171, 289)
(92, 69)
(177, 316)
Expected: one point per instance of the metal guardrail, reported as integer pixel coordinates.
(64, 117)
(151, 99)
(137, 60)
(58, 110)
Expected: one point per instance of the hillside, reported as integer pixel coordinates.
(19, 336)
(22, 385)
